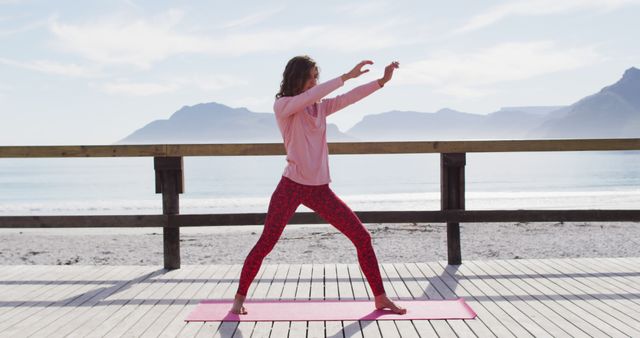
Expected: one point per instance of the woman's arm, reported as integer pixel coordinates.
(332, 105)
(286, 106)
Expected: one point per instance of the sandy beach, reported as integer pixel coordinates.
(320, 243)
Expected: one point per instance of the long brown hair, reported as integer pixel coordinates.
(295, 74)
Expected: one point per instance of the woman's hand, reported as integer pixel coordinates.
(357, 70)
(388, 72)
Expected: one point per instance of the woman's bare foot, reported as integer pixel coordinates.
(237, 307)
(383, 302)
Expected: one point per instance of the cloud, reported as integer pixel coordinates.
(261, 104)
(217, 82)
(253, 18)
(119, 40)
(139, 88)
(538, 7)
(3, 90)
(468, 74)
(25, 27)
(142, 42)
(204, 83)
(364, 8)
(56, 68)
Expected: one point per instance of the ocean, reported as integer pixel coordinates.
(522, 180)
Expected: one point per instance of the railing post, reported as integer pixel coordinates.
(452, 197)
(170, 182)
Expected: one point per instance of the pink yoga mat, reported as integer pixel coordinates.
(299, 310)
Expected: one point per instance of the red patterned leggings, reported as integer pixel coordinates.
(286, 198)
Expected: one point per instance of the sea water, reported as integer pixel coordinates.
(238, 184)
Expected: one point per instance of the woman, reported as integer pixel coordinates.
(301, 115)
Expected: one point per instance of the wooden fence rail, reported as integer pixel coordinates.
(169, 181)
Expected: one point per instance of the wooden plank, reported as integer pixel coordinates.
(209, 291)
(252, 149)
(400, 291)
(632, 263)
(500, 322)
(418, 291)
(141, 304)
(314, 271)
(358, 282)
(596, 304)
(333, 327)
(31, 284)
(344, 282)
(452, 189)
(548, 286)
(442, 327)
(184, 295)
(165, 301)
(128, 300)
(369, 328)
(627, 267)
(532, 308)
(422, 288)
(226, 290)
(573, 325)
(169, 181)
(510, 307)
(26, 284)
(407, 216)
(279, 279)
(562, 307)
(608, 278)
(290, 286)
(318, 290)
(262, 285)
(68, 318)
(622, 264)
(11, 271)
(398, 284)
(620, 276)
(55, 293)
(350, 328)
(300, 283)
(280, 328)
(91, 275)
(622, 281)
(415, 216)
(83, 151)
(388, 328)
(623, 308)
(297, 329)
(84, 221)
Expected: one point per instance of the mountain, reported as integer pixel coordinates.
(216, 123)
(537, 110)
(612, 112)
(448, 124)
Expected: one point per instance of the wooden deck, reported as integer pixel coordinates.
(546, 297)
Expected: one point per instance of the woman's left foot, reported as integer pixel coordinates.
(383, 302)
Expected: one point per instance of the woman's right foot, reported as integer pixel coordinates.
(237, 307)
(383, 302)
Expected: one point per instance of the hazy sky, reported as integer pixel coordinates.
(92, 72)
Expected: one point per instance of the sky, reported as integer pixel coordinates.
(92, 72)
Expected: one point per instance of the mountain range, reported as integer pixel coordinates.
(613, 112)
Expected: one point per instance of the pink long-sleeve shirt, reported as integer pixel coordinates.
(302, 120)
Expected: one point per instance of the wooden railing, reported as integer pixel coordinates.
(169, 181)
